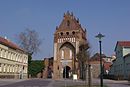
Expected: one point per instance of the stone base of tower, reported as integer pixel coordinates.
(56, 74)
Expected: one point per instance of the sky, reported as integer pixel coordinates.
(109, 17)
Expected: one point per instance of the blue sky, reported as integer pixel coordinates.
(110, 17)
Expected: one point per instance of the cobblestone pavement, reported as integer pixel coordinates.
(38, 83)
(57, 83)
(113, 83)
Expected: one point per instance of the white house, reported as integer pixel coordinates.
(119, 69)
(13, 60)
(127, 66)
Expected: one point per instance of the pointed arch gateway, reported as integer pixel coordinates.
(67, 53)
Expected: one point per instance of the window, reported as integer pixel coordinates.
(61, 33)
(0, 67)
(5, 54)
(13, 68)
(8, 55)
(0, 52)
(68, 23)
(7, 68)
(73, 33)
(62, 54)
(16, 57)
(4, 67)
(67, 33)
(70, 54)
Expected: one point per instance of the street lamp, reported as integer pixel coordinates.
(100, 36)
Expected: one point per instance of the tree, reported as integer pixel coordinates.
(29, 41)
(36, 67)
(83, 57)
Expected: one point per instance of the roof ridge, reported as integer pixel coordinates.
(9, 43)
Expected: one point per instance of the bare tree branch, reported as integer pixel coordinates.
(29, 41)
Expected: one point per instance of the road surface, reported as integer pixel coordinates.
(57, 83)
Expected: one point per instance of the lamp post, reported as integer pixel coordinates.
(100, 36)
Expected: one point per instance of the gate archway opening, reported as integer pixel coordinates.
(66, 72)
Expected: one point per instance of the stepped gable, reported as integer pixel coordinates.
(69, 22)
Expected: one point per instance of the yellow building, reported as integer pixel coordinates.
(13, 60)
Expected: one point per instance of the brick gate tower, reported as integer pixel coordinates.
(67, 38)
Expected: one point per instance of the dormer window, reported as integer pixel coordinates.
(68, 23)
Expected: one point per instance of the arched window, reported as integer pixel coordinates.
(70, 54)
(7, 68)
(4, 68)
(62, 54)
(0, 67)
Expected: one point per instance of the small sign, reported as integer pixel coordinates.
(74, 76)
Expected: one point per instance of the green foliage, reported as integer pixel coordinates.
(83, 56)
(29, 58)
(35, 66)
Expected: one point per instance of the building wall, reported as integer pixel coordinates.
(119, 68)
(126, 50)
(127, 67)
(95, 69)
(13, 63)
(48, 70)
(118, 63)
(67, 38)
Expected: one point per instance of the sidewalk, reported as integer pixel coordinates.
(10, 81)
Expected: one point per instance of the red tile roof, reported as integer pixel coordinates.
(8, 43)
(107, 65)
(124, 43)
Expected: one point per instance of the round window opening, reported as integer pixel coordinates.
(73, 33)
(61, 33)
(67, 33)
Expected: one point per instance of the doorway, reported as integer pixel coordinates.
(66, 72)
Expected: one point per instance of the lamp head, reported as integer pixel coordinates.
(100, 36)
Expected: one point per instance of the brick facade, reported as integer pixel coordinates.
(67, 38)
